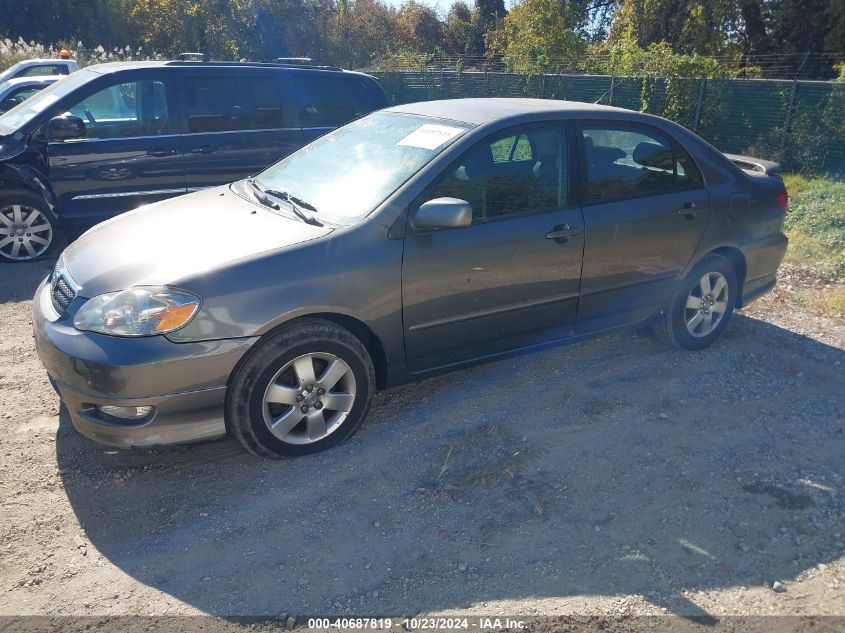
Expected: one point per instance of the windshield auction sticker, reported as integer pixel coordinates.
(430, 136)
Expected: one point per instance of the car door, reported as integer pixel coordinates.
(645, 211)
(511, 278)
(236, 124)
(130, 154)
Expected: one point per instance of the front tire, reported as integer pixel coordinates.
(303, 389)
(29, 230)
(701, 306)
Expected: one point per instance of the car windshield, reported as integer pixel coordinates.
(344, 175)
(22, 114)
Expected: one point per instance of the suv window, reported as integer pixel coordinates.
(624, 162)
(224, 104)
(134, 108)
(518, 172)
(330, 101)
(39, 71)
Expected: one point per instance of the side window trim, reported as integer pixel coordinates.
(583, 174)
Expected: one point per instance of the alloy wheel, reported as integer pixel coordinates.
(706, 304)
(25, 232)
(309, 398)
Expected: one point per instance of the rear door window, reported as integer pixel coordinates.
(224, 104)
(630, 162)
(330, 101)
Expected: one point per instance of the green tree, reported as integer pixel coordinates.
(418, 29)
(536, 34)
(461, 28)
(689, 26)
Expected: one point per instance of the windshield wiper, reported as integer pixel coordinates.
(262, 197)
(297, 205)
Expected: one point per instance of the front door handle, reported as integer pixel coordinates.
(689, 210)
(561, 233)
(203, 149)
(160, 152)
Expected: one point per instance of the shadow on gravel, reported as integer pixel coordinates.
(613, 466)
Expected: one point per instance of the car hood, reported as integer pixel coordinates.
(182, 237)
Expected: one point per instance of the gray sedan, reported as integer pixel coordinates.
(416, 240)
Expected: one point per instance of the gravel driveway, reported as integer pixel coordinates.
(610, 477)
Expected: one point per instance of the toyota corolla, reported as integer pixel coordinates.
(416, 240)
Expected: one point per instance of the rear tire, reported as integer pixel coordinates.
(29, 230)
(701, 306)
(303, 389)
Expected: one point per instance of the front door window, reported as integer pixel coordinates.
(134, 108)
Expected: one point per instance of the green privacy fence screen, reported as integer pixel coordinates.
(801, 124)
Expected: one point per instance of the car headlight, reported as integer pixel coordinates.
(139, 311)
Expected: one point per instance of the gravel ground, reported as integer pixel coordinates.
(611, 477)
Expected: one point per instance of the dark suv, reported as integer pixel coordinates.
(113, 137)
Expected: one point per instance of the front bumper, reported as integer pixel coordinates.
(184, 382)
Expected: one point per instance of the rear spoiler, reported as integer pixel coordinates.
(758, 165)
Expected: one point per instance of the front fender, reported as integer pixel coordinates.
(353, 273)
(27, 176)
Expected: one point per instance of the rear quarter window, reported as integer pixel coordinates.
(330, 100)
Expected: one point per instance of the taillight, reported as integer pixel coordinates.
(783, 201)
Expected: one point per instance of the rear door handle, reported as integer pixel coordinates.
(160, 152)
(561, 233)
(689, 210)
(203, 149)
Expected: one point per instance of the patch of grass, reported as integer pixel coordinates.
(816, 225)
(827, 302)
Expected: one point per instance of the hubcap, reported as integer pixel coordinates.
(25, 232)
(706, 304)
(309, 398)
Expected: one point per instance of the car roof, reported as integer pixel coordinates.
(46, 61)
(478, 111)
(110, 67)
(35, 79)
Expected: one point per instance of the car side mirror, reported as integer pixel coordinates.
(443, 213)
(66, 127)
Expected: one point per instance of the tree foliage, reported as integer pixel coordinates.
(650, 36)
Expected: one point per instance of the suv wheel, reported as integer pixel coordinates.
(28, 227)
(702, 305)
(302, 390)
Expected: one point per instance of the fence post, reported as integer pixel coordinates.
(787, 122)
(610, 95)
(701, 84)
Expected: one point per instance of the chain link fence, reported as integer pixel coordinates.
(799, 123)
